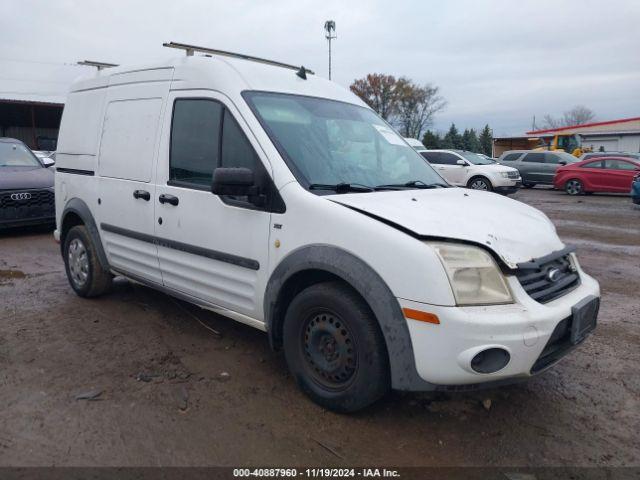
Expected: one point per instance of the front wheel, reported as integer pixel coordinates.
(334, 348)
(480, 183)
(574, 187)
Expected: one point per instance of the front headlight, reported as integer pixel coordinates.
(473, 274)
(504, 174)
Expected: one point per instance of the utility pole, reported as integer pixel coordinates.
(330, 34)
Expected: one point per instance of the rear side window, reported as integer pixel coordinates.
(195, 141)
(619, 165)
(597, 164)
(534, 158)
(511, 157)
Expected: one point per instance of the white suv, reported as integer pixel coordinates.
(468, 169)
(280, 200)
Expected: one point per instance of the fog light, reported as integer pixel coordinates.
(490, 360)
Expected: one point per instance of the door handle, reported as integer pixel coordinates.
(170, 199)
(143, 194)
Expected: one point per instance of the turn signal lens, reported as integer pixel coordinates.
(421, 316)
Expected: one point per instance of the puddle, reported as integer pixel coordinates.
(6, 275)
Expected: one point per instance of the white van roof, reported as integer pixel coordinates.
(228, 75)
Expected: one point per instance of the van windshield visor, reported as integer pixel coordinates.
(327, 142)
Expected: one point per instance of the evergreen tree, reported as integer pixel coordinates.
(431, 139)
(486, 140)
(466, 140)
(474, 142)
(452, 139)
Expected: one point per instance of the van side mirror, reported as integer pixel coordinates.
(233, 181)
(461, 162)
(238, 182)
(562, 162)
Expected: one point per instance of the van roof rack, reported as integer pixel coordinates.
(190, 49)
(98, 65)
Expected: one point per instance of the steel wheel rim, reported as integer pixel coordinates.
(479, 185)
(78, 260)
(329, 350)
(573, 187)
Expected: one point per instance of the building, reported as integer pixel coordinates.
(32, 118)
(612, 136)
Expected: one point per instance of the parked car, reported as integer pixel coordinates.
(635, 190)
(491, 159)
(46, 157)
(26, 187)
(536, 168)
(590, 155)
(604, 174)
(468, 169)
(281, 200)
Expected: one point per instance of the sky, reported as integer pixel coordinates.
(496, 62)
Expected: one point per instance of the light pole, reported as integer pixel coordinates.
(330, 34)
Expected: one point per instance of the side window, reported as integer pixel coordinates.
(534, 158)
(619, 165)
(511, 157)
(551, 158)
(236, 149)
(597, 164)
(432, 157)
(449, 159)
(195, 141)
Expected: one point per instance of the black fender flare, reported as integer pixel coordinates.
(368, 283)
(81, 209)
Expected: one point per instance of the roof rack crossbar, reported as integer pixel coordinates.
(98, 65)
(190, 49)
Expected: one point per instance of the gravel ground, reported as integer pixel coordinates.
(169, 390)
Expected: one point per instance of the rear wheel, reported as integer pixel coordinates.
(334, 348)
(480, 183)
(84, 271)
(574, 187)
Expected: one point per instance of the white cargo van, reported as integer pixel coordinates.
(277, 198)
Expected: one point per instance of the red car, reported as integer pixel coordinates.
(600, 174)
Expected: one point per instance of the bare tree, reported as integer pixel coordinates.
(379, 91)
(578, 115)
(416, 107)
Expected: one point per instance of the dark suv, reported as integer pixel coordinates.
(536, 167)
(26, 187)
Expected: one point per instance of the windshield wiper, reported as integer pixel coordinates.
(341, 187)
(412, 184)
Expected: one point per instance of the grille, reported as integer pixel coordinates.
(548, 280)
(515, 174)
(41, 204)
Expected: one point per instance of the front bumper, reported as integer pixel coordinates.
(508, 189)
(443, 352)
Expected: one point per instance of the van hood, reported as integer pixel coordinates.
(18, 178)
(514, 231)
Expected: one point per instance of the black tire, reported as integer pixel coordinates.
(528, 185)
(84, 271)
(480, 183)
(574, 187)
(334, 348)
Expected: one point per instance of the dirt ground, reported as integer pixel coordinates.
(172, 392)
